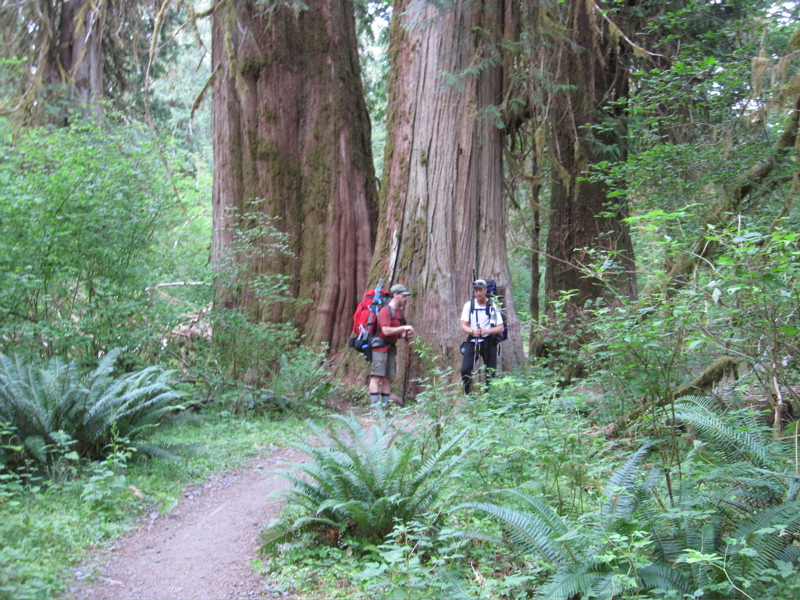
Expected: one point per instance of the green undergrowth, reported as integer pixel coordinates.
(547, 505)
(521, 432)
(50, 521)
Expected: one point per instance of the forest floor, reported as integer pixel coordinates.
(201, 550)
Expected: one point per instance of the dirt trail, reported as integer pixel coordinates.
(202, 549)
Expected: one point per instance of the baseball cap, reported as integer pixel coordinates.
(479, 283)
(399, 288)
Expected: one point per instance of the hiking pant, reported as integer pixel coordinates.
(488, 352)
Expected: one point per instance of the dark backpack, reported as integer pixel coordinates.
(495, 293)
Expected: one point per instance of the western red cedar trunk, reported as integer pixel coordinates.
(75, 53)
(81, 49)
(580, 217)
(443, 210)
(291, 130)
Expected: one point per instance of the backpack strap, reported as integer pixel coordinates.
(391, 315)
(472, 310)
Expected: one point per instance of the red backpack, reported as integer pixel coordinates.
(365, 319)
(369, 308)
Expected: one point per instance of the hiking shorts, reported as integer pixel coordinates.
(384, 364)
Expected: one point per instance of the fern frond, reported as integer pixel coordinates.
(664, 576)
(621, 502)
(565, 585)
(763, 532)
(433, 461)
(280, 532)
(542, 510)
(526, 532)
(794, 489)
(737, 443)
(156, 451)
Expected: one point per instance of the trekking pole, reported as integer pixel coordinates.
(476, 355)
(405, 377)
(475, 350)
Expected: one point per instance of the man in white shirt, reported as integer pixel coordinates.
(481, 319)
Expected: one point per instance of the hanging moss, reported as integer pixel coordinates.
(251, 66)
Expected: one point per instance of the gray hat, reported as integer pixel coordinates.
(399, 288)
(479, 283)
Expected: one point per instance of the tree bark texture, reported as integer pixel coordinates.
(291, 132)
(79, 52)
(580, 217)
(62, 43)
(443, 210)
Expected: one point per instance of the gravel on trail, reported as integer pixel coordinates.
(199, 551)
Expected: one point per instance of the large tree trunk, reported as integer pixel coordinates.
(581, 220)
(292, 131)
(443, 212)
(78, 54)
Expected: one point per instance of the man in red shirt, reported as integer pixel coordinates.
(391, 327)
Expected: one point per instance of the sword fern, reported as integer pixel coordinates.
(363, 481)
(43, 404)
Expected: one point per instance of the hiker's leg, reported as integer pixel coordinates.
(386, 386)
(377, 375)
(489, 354)
(374, 390)
(391, 373)
(467, 362)
(375, 385)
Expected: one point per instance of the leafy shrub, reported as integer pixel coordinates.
(722, 525)
(248, 339)
(419, 562)
(361, 482)
(59, 406)
(579, 558)
(82, 211)
(301, 386)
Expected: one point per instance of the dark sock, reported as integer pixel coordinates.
(385, 399)
(373, 398)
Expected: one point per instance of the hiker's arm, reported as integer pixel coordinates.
(405, 331)
(478, 332)
(493, 330)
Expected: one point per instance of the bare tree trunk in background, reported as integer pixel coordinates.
(580, 216)
(535, 342)
(291, 129)
(77, 55)
(443, 210)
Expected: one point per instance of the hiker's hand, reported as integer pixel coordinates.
(409, 332)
